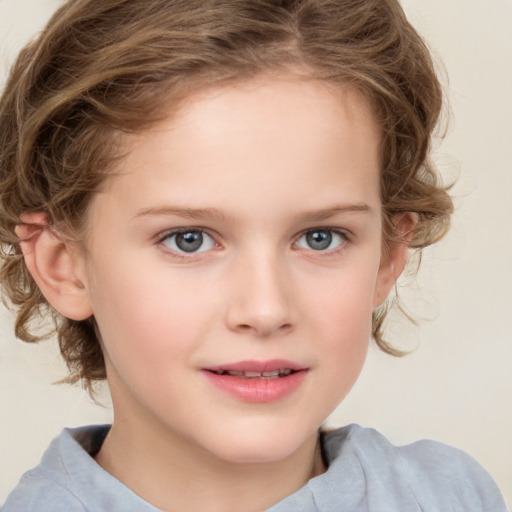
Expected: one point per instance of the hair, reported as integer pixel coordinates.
(102, 68)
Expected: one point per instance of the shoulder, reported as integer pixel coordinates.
(432, 475)
(431, 467)
(37, 493)
(68, 479)
(51, 486)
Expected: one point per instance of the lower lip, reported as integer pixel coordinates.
(257, 390)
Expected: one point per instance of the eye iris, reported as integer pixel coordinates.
(319, 240)
(190, 241)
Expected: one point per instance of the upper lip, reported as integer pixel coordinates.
(257, 366)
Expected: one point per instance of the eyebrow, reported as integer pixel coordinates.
(327, 213)
(213, 213)
(187, 213)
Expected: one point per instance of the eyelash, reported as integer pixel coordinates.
(340, 233)
(343, 235)
(168, 235)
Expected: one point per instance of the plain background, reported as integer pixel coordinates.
(456, 387)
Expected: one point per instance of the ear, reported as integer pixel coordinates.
(53, 265)
(394, 258)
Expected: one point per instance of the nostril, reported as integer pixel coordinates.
(264, 330)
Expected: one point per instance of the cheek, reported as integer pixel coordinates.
(341, 323)
(346, 323)
(146, 319)
(343, 301)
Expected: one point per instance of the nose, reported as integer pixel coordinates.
(260, 299)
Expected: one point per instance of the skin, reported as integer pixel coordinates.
(257, 167)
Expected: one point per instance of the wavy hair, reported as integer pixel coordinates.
(101, 68)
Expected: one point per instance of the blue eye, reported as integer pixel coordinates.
(321, 239)
(189, 241)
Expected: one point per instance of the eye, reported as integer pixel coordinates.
(188, 241)
(321, 239)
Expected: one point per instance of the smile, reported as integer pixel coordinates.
(275, 374)
(257, 381)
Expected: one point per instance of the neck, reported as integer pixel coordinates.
(173, 475)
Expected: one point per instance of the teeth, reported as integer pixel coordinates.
(235, 373)
(274, 374)
(251, 374)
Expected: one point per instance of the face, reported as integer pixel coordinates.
(233, 265)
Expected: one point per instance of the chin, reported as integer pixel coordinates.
(263, 446)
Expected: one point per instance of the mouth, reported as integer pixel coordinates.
(257, 381)
(271, 369)
(275, 374)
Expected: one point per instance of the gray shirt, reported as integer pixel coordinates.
(366, 473)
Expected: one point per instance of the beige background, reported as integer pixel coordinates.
(457, 386)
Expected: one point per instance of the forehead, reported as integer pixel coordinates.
(234, 142)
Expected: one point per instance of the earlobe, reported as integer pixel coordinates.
(53, 265)
(395, 258)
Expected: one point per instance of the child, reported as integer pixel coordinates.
(213, 201)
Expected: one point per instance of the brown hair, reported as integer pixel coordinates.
(103, 67)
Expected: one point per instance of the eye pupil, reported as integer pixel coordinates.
(319, 240)
(190, 241)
